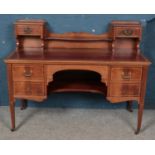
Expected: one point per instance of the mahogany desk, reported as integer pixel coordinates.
(114, 56)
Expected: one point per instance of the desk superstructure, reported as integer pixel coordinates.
(115, 56)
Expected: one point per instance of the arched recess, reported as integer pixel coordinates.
(102, 70)
(76, 75)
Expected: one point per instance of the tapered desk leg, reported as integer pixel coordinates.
(140, 115)
(23, 105)
(11, 97)
(129, 106)
(142, 99)
(12, 112)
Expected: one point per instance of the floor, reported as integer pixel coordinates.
(67, 123)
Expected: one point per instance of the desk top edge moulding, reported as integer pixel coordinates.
(40, 55)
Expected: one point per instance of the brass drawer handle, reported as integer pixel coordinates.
(127, 32)
(126, 75)
(28, 73)
(27, 30)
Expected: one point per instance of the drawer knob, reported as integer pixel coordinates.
(28, 73)
(27, 30)
(127, 32)
(126, 75)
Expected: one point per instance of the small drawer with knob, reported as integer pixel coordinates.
(126, 74)
(133, 32)
(29, 29)
(27, 72)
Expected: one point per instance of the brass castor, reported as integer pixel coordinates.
(137, 132)
(12, 130)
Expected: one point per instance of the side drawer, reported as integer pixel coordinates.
(29, 29)
(23, 72)
(127, 32)
(28, 88)
(124, 89)
(126, 74)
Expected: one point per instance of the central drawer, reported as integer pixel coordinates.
(126, 74)
(24, 72)
(28, 88)
(102, 70)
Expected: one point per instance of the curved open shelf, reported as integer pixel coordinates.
(78, 86)
(77, 81)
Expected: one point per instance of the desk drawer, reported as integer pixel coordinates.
(29, 29)
(126, 74)
(22, 72)
(127, 32)
(28, 88)
(124, 89)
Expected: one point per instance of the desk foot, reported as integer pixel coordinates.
(12, 112)
(137, 132)
(129, 106)
(140, 114)
(23, 105)
(12, 130)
